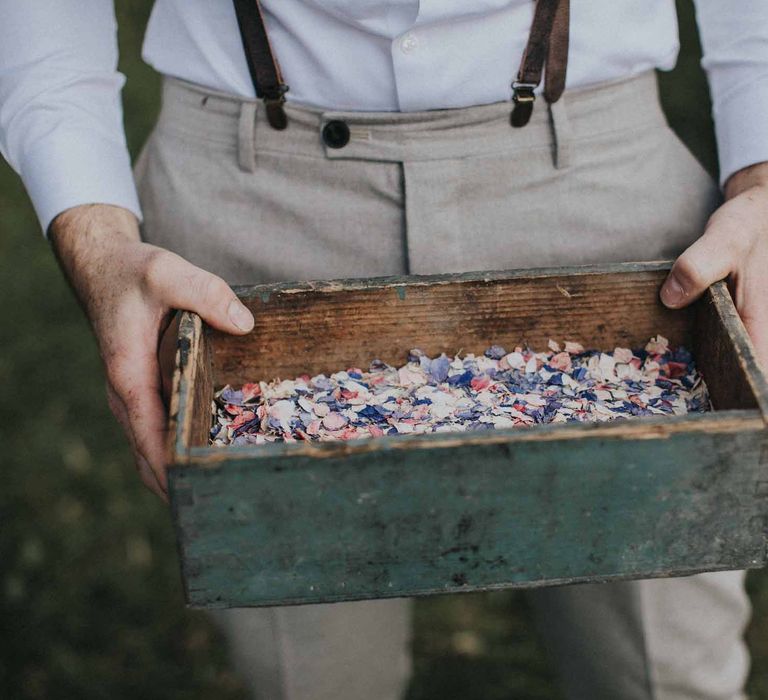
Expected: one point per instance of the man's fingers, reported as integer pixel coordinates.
(181, 285)
(134, 374)
(146, 473)
(688, 280)
(146, 415)
(757, 328)
(698, 267)
(711, 258)
(750, 292)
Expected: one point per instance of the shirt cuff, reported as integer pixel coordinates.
(68, 168)
(741, 123)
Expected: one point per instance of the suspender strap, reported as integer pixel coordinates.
(264, 69)
(548, 42)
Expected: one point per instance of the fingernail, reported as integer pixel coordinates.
(672, 293)
(240, 316)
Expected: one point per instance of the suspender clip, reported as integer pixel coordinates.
(523, 92)
(523, 97)
(273, 102)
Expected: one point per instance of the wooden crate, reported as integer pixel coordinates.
(412, 514)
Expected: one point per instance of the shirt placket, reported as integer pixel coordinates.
(409, 56)
(416, 53)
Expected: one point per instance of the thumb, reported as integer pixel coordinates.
(707, 261)
(181, 285)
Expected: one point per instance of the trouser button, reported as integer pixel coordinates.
(336, 134)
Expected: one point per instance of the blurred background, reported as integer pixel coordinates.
(91, 600)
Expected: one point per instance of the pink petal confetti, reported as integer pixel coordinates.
(243, 418)
(480, 383)
(250, 392)
(561, 361)
(334, 421)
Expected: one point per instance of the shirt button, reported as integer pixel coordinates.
(336, 134)
(409, 43)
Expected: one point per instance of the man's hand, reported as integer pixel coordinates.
(129, 291)
(734, 246)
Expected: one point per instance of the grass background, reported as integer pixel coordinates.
(90, 601)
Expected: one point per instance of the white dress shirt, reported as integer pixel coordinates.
(60, 112)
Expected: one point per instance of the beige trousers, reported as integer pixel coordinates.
(598, 177)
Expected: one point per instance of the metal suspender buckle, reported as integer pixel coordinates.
(523, 92)
(523, 96)
(273, 102)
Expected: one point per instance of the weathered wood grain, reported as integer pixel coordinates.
(413, 514)
(190, 416)
(655, 428)
(469, 517)
(320, 327)
(726, 354)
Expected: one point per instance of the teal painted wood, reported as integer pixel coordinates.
(393, 522)
(411, 515)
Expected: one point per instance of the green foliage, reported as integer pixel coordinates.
(91, 604)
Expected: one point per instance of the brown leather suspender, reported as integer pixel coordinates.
(547, 45)
(262, 64)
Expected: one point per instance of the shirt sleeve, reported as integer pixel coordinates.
(734, 37)
(61, 120)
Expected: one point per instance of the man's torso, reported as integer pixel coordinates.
(404, 55)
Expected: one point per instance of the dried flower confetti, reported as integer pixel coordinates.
(498, 389)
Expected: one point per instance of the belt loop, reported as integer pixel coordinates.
(561, 134)
(246, 150)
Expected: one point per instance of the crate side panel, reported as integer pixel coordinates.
(190, 417)
(306, 330)
(424, 521)
(726, 356)
(202, 393)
